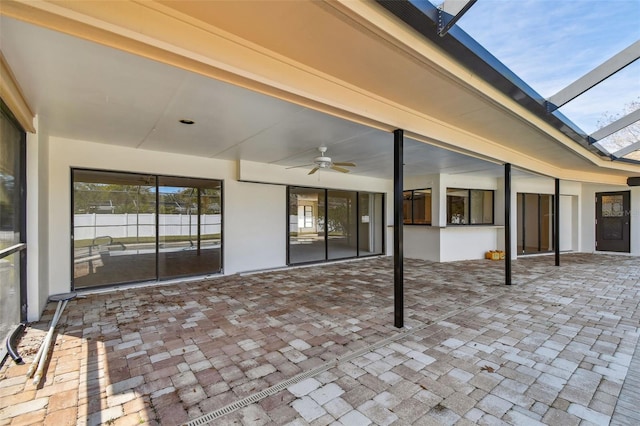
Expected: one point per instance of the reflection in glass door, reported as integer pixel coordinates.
(210, 242)
(188, 227)
(129, 227)
(114, 228)
(306, 225)
(342, 222)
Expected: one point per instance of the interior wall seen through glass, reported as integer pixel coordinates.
(306, 225)
(469, 207)
(520, 223)
(407, 207)
(457, 206)
(481, 210)
(417, 207)
(535, 223)
(353, 226)
(371, 240)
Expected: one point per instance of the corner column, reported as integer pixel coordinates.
(398, 256)
(556, 222)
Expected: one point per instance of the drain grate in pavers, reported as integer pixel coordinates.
(171, 354)
(251, 399)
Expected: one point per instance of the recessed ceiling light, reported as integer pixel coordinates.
(185, 121)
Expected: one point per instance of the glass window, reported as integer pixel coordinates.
(469, 206)
(457, 206)
(12, 213)
(417, 207)
(407, 207)
(481, 207)
(10, 176)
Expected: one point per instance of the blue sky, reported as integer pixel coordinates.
(551, 43)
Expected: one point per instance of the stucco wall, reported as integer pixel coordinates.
(250, 245)
(37, 223)
(254, 222)
(449, 243)
(588, 212)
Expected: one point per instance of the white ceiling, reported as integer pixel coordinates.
(85, 91)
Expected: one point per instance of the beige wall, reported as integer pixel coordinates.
(250, 243)
(37, 223)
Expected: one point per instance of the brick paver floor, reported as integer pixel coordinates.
(317, 346)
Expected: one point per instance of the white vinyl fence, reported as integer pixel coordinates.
(88, 226)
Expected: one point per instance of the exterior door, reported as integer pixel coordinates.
(613, 224)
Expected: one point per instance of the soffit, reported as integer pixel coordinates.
(368, 62)
(84, 91)
(354, 54)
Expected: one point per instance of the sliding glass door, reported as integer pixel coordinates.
(342, 221)
(189, 227)
(131, 227)
(353, 226)
(535, 223)
(114, 223)
(306, 225)
(13, 254)
(370, 223)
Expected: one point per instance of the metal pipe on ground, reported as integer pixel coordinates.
(43, 353)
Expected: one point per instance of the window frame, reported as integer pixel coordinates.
(412, 211)
(469, 210)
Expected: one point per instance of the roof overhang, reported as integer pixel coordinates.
(385, 75)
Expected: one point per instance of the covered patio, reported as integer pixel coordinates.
(316, 345)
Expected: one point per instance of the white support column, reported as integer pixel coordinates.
(37, 223)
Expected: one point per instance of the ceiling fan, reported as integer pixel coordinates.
(324, 162)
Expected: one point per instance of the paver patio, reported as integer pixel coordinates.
(316, 345)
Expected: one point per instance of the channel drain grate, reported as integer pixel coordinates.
(251, 399)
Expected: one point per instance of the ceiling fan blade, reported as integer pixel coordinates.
(347, 163)
(339, 169)
(301, 165)
(315, 169)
